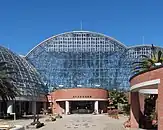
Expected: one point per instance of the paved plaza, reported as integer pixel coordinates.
(79, 122)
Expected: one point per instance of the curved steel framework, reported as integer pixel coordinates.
(26, 77)
(85, 59)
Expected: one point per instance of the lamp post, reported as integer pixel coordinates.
(79, 85)
(157, 64)
(97, 85)
(61, 86)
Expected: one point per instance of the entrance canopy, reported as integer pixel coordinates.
(146, 87)
(80, 94)
(79, 100)
(83, 99)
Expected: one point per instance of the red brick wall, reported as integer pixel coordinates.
(69, 93)
(95, 93)
(151, 75)
(147, 76)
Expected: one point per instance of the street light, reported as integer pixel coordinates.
(115, 89)
(79, 85)
(157, 64)
(60, 85)
(97, 85)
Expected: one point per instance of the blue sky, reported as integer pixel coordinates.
(25, 23)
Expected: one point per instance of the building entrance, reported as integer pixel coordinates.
(81, 107)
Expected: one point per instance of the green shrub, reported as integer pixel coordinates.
(39, 125)
(126, 109)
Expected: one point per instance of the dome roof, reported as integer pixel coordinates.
(80, 42)
(27, 78)
(73, 59)
(85, 59)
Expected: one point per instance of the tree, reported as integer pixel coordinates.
(8, 90)
(148, 62)
(117, 96)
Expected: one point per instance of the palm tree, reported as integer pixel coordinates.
(117, 96)
(148, 62)
(8, 90)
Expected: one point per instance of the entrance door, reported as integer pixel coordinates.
(81, 107)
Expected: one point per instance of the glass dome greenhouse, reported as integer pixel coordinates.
(85, 59)
(27, 79)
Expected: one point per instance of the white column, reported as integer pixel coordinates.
(96, 107)
(34, 108)
(67, 107)
(10, 107)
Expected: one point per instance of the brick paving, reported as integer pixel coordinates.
(79, 122)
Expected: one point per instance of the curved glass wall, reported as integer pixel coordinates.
(26, 77)
(85, 59)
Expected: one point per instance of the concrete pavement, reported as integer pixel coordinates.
(79, 122)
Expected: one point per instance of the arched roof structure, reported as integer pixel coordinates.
(27, 79)
(85, 59)
(70, 34)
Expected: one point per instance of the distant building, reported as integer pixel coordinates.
(76, 68)
(33, 91)
(76, 65)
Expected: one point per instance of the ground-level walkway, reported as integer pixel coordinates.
(81, 122)
(87, 122)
